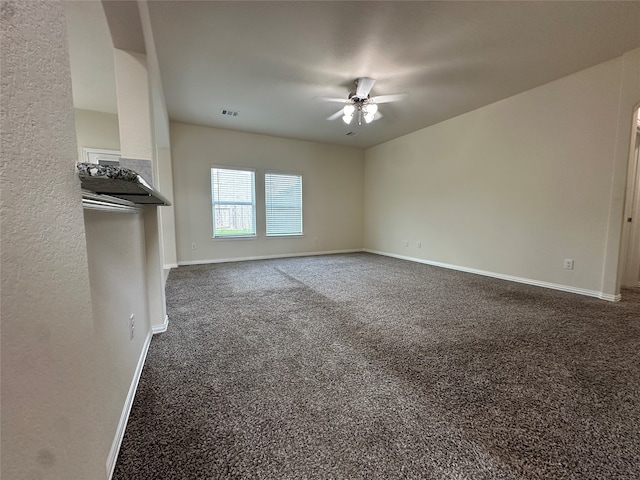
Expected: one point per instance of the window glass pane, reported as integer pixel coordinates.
(283, 202)
(233, 202)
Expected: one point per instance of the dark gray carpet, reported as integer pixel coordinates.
(366, 367)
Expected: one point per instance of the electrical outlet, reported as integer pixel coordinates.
(194, 246)
(568, 264)
(132, 326)
(406, 243)
(315, 240)
(419, 244)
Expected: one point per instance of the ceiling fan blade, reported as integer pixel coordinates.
(389, 98)
(338, 114)
(332, 99)
(364, 86)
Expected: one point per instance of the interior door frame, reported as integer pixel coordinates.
(631, 226)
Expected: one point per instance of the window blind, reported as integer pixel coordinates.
(283, 202)
(233, 202)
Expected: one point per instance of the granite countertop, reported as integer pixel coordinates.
(119, 182)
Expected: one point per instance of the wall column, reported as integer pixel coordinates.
(137, 141)
(52, 396)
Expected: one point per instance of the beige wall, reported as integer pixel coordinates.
(115, 252)
(52, 394)
(116, 256)
(70, 279)
(96, 130)
(162, 159)
(332, 192)
(135, 118)
(510, 189)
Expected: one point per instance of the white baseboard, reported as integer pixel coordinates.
(511, 278)
(124, 417)
(265, 257)
(161, 328)
(610, 298)
(166, 270)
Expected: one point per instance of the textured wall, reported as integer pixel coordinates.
(162, 139)
(50, 398)
(512, 188)
(134, 110)
(331, 182)
(96, 130)
(115, 251)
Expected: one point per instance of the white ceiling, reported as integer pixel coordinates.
(271, 60)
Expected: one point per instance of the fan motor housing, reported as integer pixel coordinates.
(356, 99)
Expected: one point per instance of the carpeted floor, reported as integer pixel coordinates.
(366, 367)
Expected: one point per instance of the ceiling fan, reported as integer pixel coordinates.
(360, 104)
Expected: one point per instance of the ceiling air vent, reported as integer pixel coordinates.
(352, 134)
(229, 113)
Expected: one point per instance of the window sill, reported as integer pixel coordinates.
(284, 236)
(226, 239)
(256, 237)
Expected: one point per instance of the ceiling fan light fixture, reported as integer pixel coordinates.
(348, 110)
(347, 118)
(369, 110)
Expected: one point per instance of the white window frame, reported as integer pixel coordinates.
(266, 205)
(214, 203)
(97, 155)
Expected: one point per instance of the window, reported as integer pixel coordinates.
(233, 198)
(283, 199)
